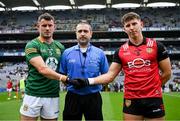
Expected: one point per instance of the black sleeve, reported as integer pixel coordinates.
(116, 57)
(162, 52)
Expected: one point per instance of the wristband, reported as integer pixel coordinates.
(91, 81)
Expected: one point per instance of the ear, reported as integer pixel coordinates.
(91, 33)
(142, 24)
(55, 26)
(37, 26)
(124, 30)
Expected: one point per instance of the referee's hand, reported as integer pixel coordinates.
(79, 83)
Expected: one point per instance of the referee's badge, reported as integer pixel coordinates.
(25, 108)
(127, 103)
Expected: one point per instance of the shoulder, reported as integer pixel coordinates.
(123, 47)
(151, 41)
(160, 44)
(69, 50)
(96, 49)
(32, 46)
(57, 43)
(32, 43)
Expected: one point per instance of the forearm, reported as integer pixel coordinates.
(51, 74)
(102, 79)
(108, 77)
(43, 69)
(165, 77)
(165, 67)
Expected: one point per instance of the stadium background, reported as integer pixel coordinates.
(18, 27)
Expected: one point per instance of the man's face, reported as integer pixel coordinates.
(46, 28)
(133, 27)
(83, 34)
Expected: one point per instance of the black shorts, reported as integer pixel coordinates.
(147, 107)
(88, 105)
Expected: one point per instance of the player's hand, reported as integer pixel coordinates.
(79, 83)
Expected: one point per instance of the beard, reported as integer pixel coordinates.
(47, 36)
(83, 42)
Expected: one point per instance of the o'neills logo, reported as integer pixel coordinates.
(149, 50)
(127, 103)
(25, 107)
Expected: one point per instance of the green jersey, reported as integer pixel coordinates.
(38, 85)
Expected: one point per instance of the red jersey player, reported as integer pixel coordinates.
(147, 67)
(9, 87)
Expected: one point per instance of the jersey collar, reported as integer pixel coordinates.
(77, 47)
(143, 43)
(42, 40)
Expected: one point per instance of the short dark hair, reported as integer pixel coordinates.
(129, 16)
(46, 16)
(85, 22)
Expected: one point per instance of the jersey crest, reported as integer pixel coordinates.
(52, 63)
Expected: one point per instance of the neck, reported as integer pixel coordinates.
(83, 49)
(47, 40)
(83, 46)
(136, 40)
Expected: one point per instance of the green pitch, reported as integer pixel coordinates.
(112, 106)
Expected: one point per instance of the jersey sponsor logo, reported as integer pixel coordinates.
(140, 70)
(52, 63)
(138, 63)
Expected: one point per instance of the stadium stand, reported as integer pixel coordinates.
(101, 20)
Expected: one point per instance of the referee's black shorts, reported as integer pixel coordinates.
(147, 107)
(76, 105)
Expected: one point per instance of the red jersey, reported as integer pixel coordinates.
(140, 65)
(9, 85)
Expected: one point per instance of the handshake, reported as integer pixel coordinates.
(78, 82)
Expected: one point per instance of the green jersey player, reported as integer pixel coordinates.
(42, 89)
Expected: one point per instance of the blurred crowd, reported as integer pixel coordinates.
(16, 71)
(101, 20)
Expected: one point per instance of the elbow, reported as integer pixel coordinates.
(42, 71)
(111, 79)
(169, 74)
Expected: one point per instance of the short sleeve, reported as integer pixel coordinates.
(162, 52)
(31, 50)
(116, 57)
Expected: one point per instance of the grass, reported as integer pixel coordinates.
(112, 106)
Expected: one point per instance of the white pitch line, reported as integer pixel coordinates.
(171, 95)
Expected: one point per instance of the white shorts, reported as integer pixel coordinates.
(47, 108)
(9, 90)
